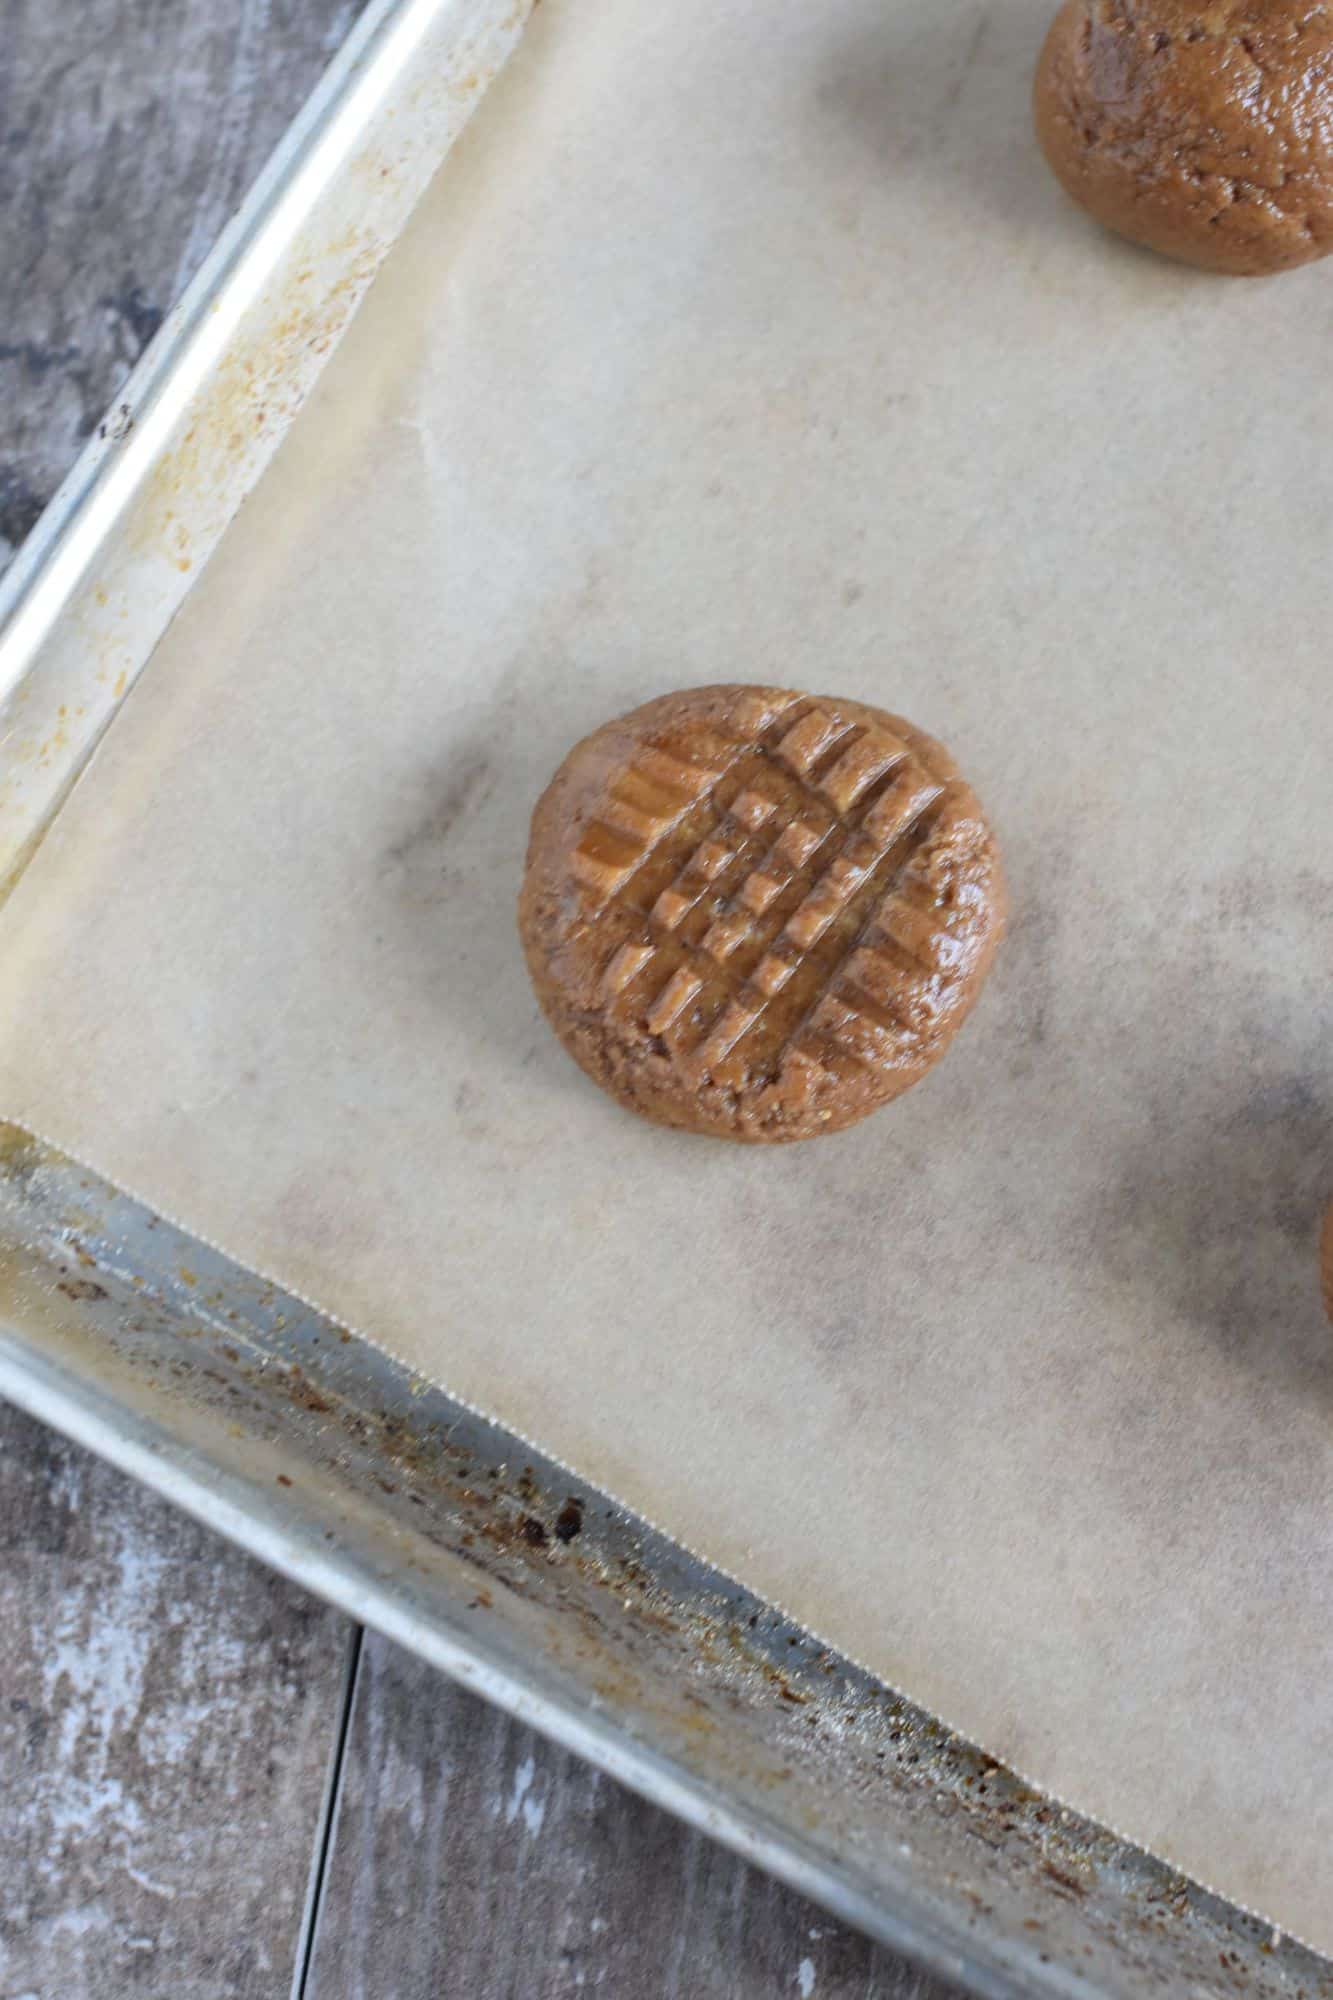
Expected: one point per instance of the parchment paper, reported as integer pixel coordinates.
(753, 342)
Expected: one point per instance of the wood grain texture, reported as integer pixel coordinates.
(167, 1709)
(129, 132)
(471, 1860)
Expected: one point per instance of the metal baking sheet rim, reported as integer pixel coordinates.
(130, 1440)
(129, 531)
(995, 1870)
(81, 611)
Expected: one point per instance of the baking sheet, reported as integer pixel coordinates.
(756, 344)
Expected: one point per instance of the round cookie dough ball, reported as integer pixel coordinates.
(758, 914)
(1202, 130)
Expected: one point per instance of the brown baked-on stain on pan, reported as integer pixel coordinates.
(758, 914)
(1202, 130)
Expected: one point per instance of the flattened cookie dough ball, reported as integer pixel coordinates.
(758, 914)
(1202, 130)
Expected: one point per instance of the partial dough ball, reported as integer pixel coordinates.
(1204, 131)
(1326, 1260)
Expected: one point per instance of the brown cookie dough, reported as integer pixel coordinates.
(758, 914)
(1326, 1260)
(1202, 130)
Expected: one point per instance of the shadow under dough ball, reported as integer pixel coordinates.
(757, 914)
(1203, 131)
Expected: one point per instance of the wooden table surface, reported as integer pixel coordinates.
(210, 1784)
